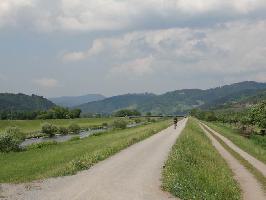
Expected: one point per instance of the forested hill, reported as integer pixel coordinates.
(71, 101)
(22, 102)
(176, 102)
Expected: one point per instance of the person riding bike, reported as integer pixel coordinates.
(175, 122)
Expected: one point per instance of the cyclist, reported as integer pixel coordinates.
(175, 122)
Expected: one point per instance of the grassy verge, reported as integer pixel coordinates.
(259, 176)
(195, 170)
(69, 157)
(255, 146)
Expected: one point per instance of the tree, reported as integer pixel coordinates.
(75, 113)
(127, 112)
(258, 114)
(49, 129)
(74, 128)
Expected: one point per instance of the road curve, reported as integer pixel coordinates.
(133, 174)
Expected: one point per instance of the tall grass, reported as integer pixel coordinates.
(195, 170)
(255, 145)
(69, 157)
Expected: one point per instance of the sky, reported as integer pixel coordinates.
(75, 47)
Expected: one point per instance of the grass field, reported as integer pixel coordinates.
(255, 145)
(69, 157)
(195, 170)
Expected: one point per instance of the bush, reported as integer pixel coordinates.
(120, 124)
(127, 112)
(63, 130)
(49, 129)
(137, 120)
(74, 128)
(15, 132)
(104, 125)
(9, 143)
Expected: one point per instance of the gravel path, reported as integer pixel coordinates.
(260, 166)
(132, 174)
(249, 185)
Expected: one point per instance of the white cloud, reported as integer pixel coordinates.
(228, 49)
(102, 15)
(46, 82)
(136, 67)
(95, 49)
(9, 10)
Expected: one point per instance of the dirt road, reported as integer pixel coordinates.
(133, 174)
(249, 185)
(253, 161)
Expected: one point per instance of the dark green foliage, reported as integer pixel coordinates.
(9, 143)
(258, 114)
(21, 102)
(127, 112)
(120, 124)
(49, 129)
(59, 113)
(62, 130)
(74, 128)
(138, 120)
(21, 106)
(105, 125)
(203, 115)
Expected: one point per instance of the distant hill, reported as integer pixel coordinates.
(242, 103)
(176, 102)
(112, 104)
(23, 102)
(71, 101)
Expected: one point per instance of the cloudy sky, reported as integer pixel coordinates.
(74, 47)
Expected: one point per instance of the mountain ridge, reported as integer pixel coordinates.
(71, 101)
(177, 101)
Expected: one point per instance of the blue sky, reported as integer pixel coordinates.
(74, 47)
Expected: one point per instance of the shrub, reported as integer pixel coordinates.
(15, 132)
(49, 129)
(127, 112)
(137, 120)
(74, 128)
(63, 130)
(104, 125)
(9, 143)
(120, 124)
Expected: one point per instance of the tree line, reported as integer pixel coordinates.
(53, 113)
(253, 116)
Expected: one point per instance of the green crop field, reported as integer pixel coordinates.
(69, 157)
(195, 170)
